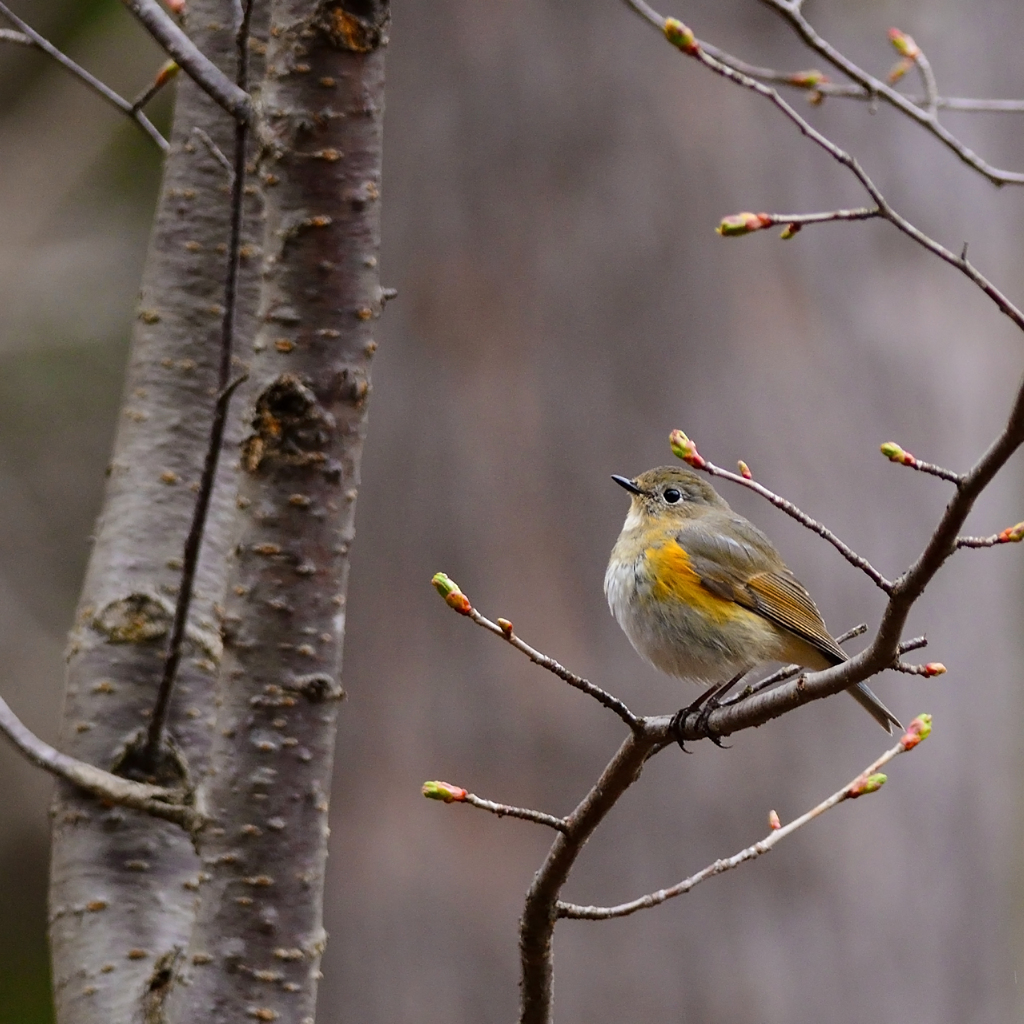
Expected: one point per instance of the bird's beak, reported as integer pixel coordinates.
(624, 481)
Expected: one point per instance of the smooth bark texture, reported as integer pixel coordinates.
(123, 884)
(258, 938)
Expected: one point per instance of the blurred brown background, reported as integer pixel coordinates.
(553, 175)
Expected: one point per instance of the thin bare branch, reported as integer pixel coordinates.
(780, 675)
(28, 36)
(155, 800)
(450, 794)
(882, 90)
(1011, 535)
(881, 653)
(932, 668)
(197, 528)
(457, 600)
(213, 149)
(191, 59)
(686, 450)
(857, 787)
(166, 74)
(894, 453)
(931, 88)
(745, 223)
(841, 156)
(815, 83)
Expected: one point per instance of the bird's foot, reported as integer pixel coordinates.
(704, 704)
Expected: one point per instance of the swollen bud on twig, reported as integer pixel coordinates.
(894, 453)
(743, 224)
(773, 821)
(898, 70)
(933, 668)
(506, 627)
(919, 729)
(165, 74)
(683, 448)
(680, 36)
(789, 231)
(903, 44)
(866, 784)
(443, 791)
(1012, 534)
(745, 470)
(449, 590)
(807, 79)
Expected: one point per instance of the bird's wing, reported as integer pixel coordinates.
(747, 569)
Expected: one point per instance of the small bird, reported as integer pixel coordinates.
(702, 593)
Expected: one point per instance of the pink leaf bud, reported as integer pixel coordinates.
(743, 224)
(899, 69)
(1012, 534)
(443, 791)
(866, 784)
(166, 73)
(919, 729)
(934, 668)
(903, 44)
(773, 821)
(683, 448)
(894, 453)
(506, 627)
(680, 36)
(745, 470)
(807, 79)
(449, 590)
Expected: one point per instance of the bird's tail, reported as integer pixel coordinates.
(874, 707)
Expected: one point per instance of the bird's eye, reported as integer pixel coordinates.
(672, 495)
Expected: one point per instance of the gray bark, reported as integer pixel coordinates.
(258, 938)
(123, 884)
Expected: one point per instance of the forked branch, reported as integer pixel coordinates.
(155, 800)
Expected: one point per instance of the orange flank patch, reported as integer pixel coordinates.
(675, 580)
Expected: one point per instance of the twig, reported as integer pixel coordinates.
(450, 794)
(932, 668)
(457, 600)
(214, 150)
(866, 782)
(894, 453)
(28, 36)
(190, 562)
(780, 675)
(191, 59)
(882, 90)
(197, 528)
(155, 800)
(931, 88)
(1011, 535)
(882, 651)
(694, 49)
(163, 76)
(745, 223)
(814, 82)
(686, 450)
